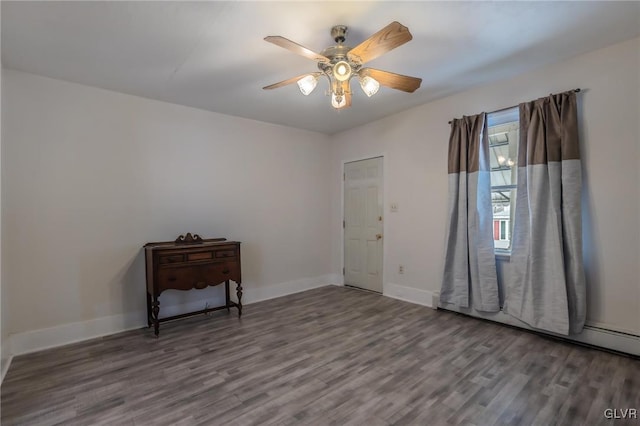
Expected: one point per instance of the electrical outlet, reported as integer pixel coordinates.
(393, 207)
(401, 269)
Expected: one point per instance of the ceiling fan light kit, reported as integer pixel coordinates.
(341, 63)
(338, 101)
(307, 84)
(369, 85)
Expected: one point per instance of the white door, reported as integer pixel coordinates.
(363, 224)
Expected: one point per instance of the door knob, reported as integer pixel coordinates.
(378, 236)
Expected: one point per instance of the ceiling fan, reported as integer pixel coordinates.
(340, 63)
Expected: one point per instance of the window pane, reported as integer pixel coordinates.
(503, 202)
(503, 167)
(503, 136)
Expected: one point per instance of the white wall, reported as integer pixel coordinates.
(415, 144)
(89, 176)
(4, 352)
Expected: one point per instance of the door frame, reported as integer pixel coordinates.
(384, 213)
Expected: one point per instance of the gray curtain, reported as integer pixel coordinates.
(470, 278)
(548, 286)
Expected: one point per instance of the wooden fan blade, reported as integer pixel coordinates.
(388, 38)
(290, 80)
(392, 80)
(346, 88)
(296, 48)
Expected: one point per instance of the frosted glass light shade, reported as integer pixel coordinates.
(342, 71)
(338, 104)
(307, 84)
(369, 85)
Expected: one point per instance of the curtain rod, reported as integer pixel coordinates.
(504, 109)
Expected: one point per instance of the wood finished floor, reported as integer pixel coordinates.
(327, 356)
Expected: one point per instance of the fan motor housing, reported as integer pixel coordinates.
(336, 53)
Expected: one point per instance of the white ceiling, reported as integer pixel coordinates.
(211, 55)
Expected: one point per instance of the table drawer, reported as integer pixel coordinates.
(225, 253)
(200, 276)
(213, 255)
(205, 255)
(171, 258)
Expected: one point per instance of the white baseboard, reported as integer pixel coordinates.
(5, 367)
(37, 340)
(253, 295)
(608, 339)
(612, 327)
(410, 294)
(336, 279)
(45, 338)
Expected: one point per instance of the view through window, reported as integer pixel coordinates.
(503, 128)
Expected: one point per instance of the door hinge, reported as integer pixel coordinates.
(344, 176)
(344, 224)
(342, 271)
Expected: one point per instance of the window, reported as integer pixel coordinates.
(503, 127)
(501, 229)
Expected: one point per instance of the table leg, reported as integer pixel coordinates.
(148, 309)
(156, 313)
(227, 295)
(239, 294)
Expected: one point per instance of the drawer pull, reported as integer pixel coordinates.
(200, 285)
(172, 279)
(226, 271)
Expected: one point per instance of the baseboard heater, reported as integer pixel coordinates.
(611, 340)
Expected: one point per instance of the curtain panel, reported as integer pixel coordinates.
(470, 278)
(548, 286)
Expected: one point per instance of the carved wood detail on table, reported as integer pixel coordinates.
(189, 239)
(190, 262)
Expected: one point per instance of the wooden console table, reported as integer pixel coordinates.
(187, 263)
